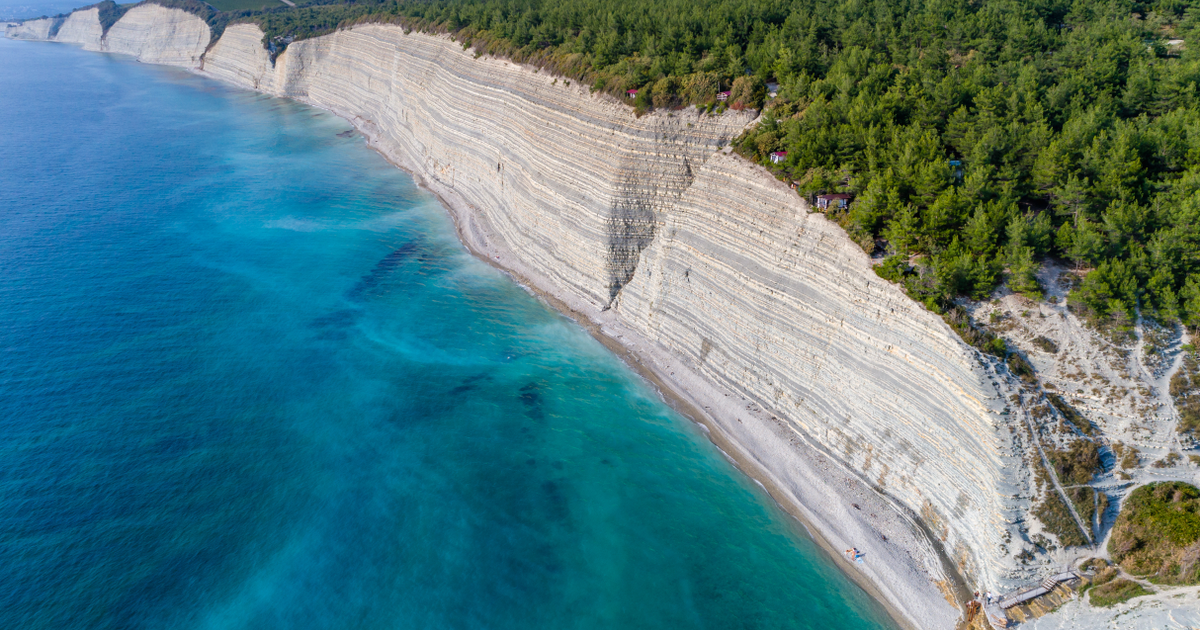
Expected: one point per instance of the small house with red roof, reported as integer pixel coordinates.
(778, 156)
(631, 93)
(722, 96)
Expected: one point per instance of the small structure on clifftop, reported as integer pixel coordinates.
(837, 200)
(778, 157)
(630, 93)
(722, 96)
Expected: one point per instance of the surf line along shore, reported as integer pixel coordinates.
(908, 570)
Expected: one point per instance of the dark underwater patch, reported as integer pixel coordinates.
(471, 383)
(334, 326)
(371, 281)
(531, 397)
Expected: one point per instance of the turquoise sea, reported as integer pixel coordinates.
(249, 379)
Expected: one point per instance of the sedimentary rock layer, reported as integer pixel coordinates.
(83, 28)
(570, 181)
(156, 34)
(32, 29)
(746, 287)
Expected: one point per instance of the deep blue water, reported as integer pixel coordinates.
(249, 379)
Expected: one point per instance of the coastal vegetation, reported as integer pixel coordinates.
(1077, 464)
(1115, 592)
(1157, 533)
(1106, 588)
(233, 6)
(1074, 466)
(1056, 519)
(1185, 391)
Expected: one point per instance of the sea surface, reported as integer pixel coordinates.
(249, 379)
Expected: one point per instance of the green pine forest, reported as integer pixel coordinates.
(981, 139)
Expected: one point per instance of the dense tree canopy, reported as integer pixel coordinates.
(978, 137)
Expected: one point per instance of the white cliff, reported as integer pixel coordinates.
(83, 28)
(156, 34)
(32, 29)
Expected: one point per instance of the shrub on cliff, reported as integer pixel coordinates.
(1115, 592)
(109, 12)
(1077, 464)
(1157, 533)
(747, 92)
(666, 93)
(701, 87)
(1057, 520)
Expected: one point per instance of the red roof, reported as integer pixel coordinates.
(631, 91)
(779, 154)
(834, 196)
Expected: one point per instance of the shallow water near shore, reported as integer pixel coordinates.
(249, 379)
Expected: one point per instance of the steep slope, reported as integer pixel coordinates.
(748, 289)
(155, 34)
(83, 28)
(32, 29)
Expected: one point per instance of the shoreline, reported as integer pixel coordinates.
(491, 249)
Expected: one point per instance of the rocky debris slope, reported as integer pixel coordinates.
(1113, 386)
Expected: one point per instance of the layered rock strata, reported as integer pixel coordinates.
(746, 287)
(836, 388)
(155, 34)
(83, 28)
(32, 29)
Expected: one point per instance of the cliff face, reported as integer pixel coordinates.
(687, 254)
(32, 29)
(83, 28)
(151, 33)
(746, 287)
(155, 34)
